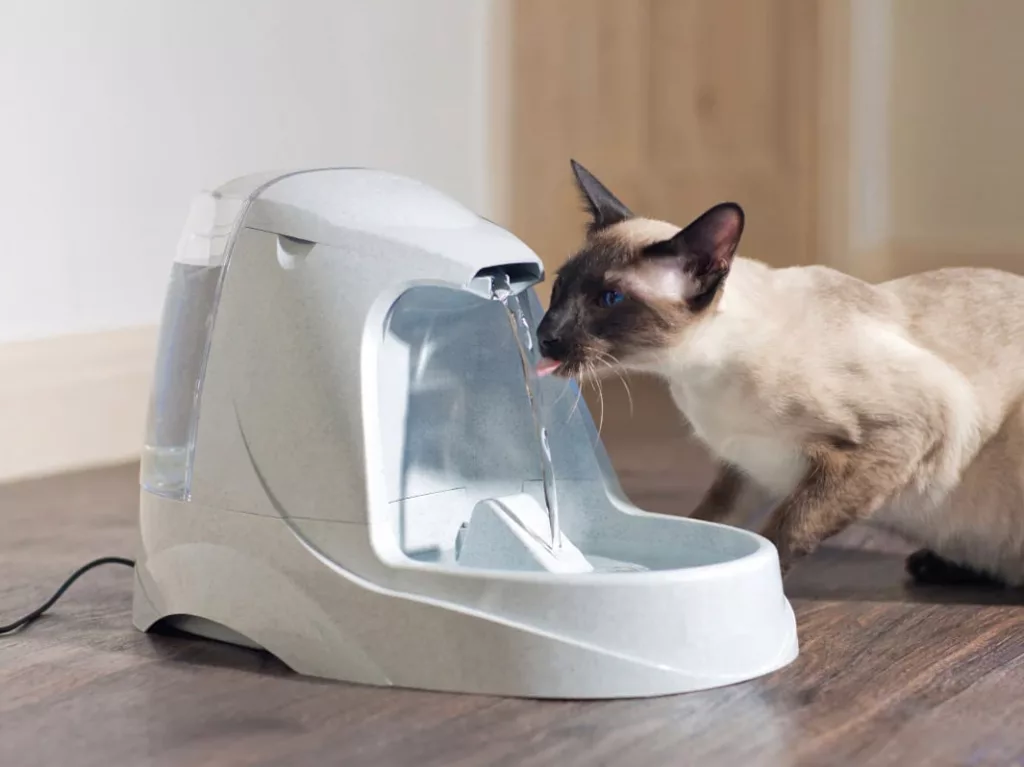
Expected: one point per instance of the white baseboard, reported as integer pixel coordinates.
(73, 402)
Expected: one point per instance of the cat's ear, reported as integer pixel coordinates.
(692, 265)
(605, 208)
(709, 242)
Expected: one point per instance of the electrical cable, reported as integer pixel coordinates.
(39, 611)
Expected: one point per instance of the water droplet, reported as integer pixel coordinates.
(526, 332)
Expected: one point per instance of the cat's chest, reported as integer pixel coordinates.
(736, 430)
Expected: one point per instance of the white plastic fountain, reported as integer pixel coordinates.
(349, 463)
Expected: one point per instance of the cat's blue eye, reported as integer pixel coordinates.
(611, 297)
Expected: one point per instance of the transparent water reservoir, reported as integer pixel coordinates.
(181, 355)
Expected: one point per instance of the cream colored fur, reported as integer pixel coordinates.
(790, 356)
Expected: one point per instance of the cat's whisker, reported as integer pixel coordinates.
(565, 388)
(612, 361)
(600, 394)
(576, 404)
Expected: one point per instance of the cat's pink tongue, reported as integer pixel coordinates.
(547, 366)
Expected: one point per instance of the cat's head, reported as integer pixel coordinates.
(635, 286)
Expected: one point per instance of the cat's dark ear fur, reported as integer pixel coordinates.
(692, 265)
(709, 242)
(605, 208)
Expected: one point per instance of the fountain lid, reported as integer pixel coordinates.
(327, 206)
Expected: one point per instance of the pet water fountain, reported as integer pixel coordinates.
(350, 463)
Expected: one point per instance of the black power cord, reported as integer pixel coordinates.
(38, 612)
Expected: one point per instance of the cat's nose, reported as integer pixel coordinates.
(551, 346)
(551, 337)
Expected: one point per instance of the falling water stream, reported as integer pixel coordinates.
(501, 290)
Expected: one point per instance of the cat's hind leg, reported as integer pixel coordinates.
(926, 567)
(976, 535)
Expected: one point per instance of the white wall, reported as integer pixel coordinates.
(114, 112)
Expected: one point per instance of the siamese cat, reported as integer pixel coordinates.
(899, 404)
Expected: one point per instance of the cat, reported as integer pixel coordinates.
(899, 404)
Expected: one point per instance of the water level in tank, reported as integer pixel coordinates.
(184, 335)
(523, 334)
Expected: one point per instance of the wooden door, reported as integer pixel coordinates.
(676, 105)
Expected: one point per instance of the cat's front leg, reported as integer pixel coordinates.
(721, 498)
(842, 487)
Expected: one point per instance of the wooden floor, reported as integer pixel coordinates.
(887, 675)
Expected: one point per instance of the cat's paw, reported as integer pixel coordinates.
(927, 567)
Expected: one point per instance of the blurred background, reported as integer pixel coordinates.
(877, 136)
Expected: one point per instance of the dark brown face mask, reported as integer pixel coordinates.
(634, 285)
